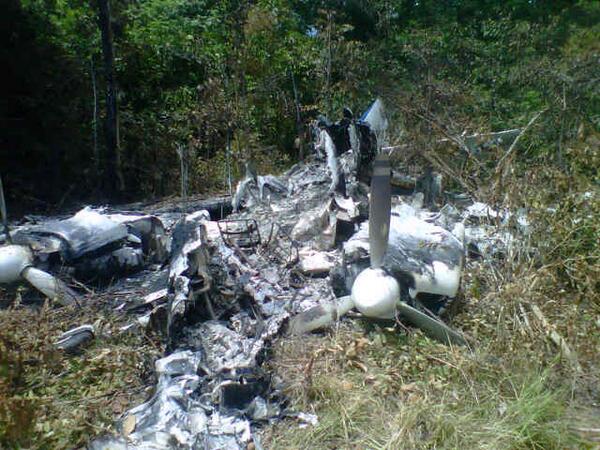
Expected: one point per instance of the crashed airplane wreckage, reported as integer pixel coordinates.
(298, 253)
(91, 245)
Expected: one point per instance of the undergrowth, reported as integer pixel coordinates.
(50, 399)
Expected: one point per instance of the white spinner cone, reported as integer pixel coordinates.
(13, 260)
(375, 293)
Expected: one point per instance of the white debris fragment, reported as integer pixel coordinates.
(481, 210)
(143, 321)
(178, 363)
(307, 419)
(332, 163)
(157, 295)
(311, 223)
(315, 263)
(212, 231)
(347, 207)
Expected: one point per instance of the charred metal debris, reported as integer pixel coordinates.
(221, 287)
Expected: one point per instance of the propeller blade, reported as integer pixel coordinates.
(380, 209)
(320, 316)
(432, 327)
(3, 214)
(50, 286)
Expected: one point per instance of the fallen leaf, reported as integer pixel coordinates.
(408, 387)
(347, 385)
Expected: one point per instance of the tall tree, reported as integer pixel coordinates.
(113, 177)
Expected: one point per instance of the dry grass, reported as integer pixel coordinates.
(49, 399)
(377, 388)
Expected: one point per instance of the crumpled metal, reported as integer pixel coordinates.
(213, 390)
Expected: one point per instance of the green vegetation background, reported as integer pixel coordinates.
(207, 73)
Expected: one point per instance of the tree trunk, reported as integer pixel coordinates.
(299, 128)
(113, 178)
(95, 117)
(328, 69)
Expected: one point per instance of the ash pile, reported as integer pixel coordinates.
(290, 259)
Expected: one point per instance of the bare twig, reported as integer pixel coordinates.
(457, 140)
(555, 337)
(516, 141)
(500, 167)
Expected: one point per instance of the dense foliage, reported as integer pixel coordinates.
(212, 75)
